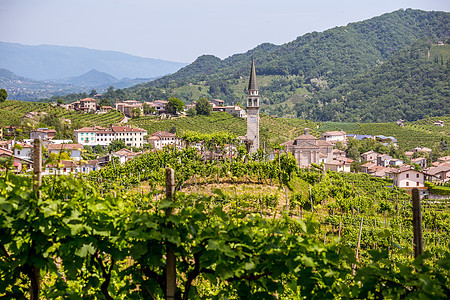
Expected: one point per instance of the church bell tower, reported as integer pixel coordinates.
(253, 112)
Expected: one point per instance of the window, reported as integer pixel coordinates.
(417, 184)
(417, 175)
(407, 175)
(407, 183)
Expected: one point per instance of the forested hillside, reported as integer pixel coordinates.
(415, 83)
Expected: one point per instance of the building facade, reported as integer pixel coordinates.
(308, 150)
(92, 136)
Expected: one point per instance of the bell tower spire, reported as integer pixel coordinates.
(253, 111)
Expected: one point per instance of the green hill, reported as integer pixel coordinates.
(11, 113)
(412, 85)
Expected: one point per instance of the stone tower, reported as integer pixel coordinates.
(252, 112)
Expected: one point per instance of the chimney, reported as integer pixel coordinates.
(306, 131)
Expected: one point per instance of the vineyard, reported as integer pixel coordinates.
(237, 229)
(11, 113)
(420, 133)
(273, 131)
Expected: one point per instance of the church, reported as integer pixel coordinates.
(307, 149)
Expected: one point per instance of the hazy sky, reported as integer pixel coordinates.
(182, 30)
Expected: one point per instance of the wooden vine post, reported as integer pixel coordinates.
(171, 272)
(32, 271)
(37, 163)
(417, 223)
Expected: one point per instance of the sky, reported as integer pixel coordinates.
(182, 30)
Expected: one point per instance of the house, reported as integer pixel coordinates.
(440, 173)
(23, 150)
(422, 150)
(383, 160)
(367, 167)
(19, 163)
(334, 137)
(129, 106)
(88, 104)
(409, 154)
(307, 149)
(338, 153)
(234, 110)
(370, 156)
(337, 166)
(217, 102)
(381, 172)
(74, 150)
(396, 162)
(105, 108)
(444, 159)
(7, 144)
(90, 165)
(125, 155)
(42, 133)
(421, 161)
(405, 177)
(373, 169)
(386, 140)
(161, 139)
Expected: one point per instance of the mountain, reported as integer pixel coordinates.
(45, 62)
(293, 76)
(93, 78)
(26, 89)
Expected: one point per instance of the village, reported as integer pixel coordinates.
(94, 147)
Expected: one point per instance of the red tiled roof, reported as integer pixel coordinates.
(162, 134)
(65, 147)
(126, 129)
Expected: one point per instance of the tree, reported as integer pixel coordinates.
(173, 129)
(3, 95)
(136, 112)
(116, 145)
(92, 93)
(203, 107)
(191, 112)
(175, 105)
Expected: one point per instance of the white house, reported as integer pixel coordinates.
(334, 137)
(125, 155)
(337, 166)
(405, 177)
(42, 133)
(161, 139)
(74, 150)
(23, 150)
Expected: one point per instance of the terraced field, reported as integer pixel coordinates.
(11, 113)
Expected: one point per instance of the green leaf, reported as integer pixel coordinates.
(85, 249)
